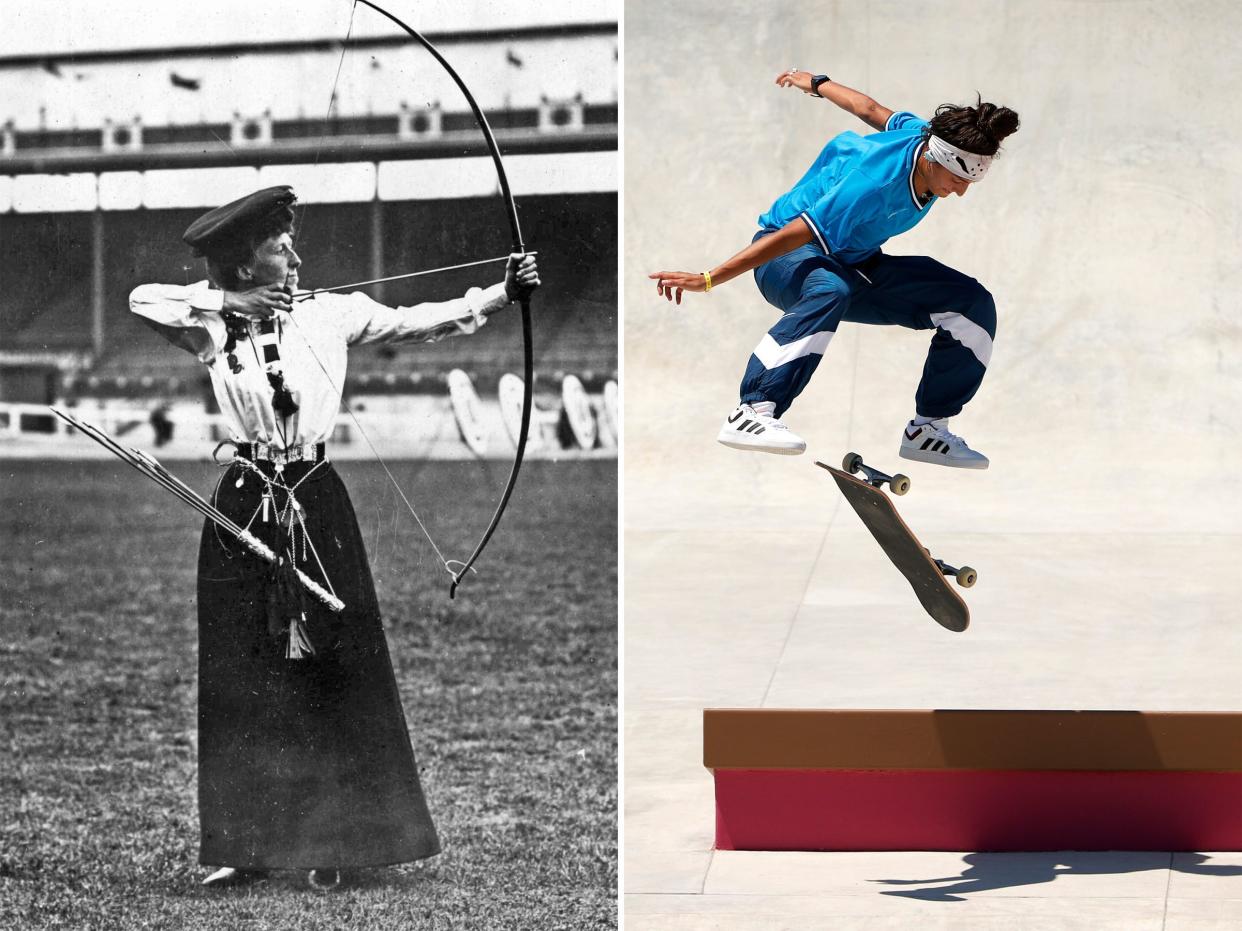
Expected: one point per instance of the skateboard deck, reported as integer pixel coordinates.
(903, 549)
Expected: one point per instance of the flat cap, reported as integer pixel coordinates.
(217, 227)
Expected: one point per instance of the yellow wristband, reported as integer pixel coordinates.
(707, 280)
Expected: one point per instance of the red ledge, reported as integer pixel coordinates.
(967, 810)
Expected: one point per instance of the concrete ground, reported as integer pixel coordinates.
(1106, 533)
(1076, 619)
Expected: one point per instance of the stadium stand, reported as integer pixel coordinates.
(575, 327)
(71, 270)
(93, 203)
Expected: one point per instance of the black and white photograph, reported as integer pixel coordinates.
(309, 444)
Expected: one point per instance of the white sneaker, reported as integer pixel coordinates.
(757, 430)
(932, 442)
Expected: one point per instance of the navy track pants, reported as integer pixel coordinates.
(816, 292)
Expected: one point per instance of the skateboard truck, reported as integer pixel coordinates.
(898, 484)
(965, 576)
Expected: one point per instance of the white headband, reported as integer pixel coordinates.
(966, 165)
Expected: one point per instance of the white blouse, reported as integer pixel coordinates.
(314, 338)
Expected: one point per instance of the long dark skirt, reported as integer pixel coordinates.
(302, 763)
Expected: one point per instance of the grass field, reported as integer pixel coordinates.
(509, 691)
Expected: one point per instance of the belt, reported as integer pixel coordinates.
(307, 452)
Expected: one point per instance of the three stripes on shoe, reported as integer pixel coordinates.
(748, 426)
(935, 445)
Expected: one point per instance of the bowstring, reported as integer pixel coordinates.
(327, 117)
(374, 452)
(303, 295)
(314, 355)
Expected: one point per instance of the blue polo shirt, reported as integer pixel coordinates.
(859, 192)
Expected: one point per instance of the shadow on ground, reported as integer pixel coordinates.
(985, 872)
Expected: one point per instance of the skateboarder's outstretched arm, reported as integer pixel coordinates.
(789, 237)
(865, 108)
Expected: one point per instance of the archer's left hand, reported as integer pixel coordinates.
(521, 276)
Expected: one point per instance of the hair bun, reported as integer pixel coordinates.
(997, 122)
(978, 129)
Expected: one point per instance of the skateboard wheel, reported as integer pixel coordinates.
(851, 463)
(966, 577)
(899, 484)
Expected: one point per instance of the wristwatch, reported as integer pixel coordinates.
(818, 80)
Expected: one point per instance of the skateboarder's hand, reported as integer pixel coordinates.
(669, 285)
(795, 78)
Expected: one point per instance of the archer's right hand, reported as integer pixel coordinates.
(259, 303)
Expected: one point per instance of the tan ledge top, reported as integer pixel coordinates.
(975, 740)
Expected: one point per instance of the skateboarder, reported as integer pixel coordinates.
(817, 257)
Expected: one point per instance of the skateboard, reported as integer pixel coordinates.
(926, 574)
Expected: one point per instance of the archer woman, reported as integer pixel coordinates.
(817, 258)
(305, 761)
